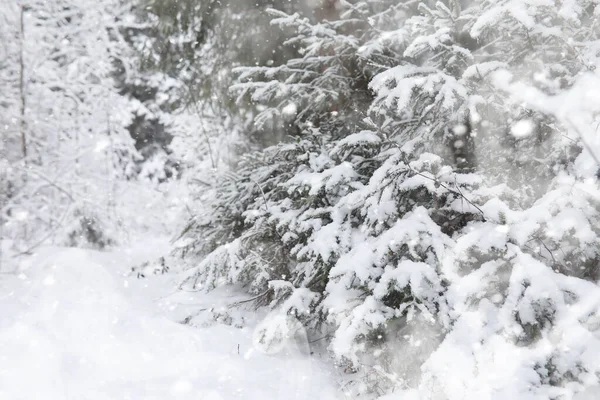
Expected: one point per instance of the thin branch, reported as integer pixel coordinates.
(199, 114)
(41, 241)
(457, 192)
(259, 296)
(584, 142)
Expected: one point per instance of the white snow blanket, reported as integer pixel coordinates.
(74, 327)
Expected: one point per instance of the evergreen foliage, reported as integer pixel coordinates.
(434, 186)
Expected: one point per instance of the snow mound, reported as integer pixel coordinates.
(71, 328)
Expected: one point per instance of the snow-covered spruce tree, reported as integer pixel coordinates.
(434, 191)
(524, 294)
(512, 290)
(65, 185)
(152, 101)
(195, 44)
(346, 186)
(181, 84)
(153, 82)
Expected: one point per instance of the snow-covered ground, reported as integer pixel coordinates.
(75, 326)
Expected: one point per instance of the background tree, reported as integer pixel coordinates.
(65, 187)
